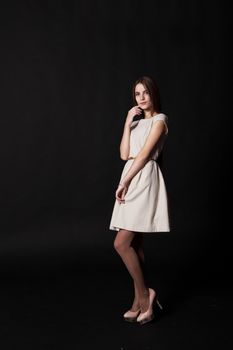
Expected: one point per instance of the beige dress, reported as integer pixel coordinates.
(146, 204)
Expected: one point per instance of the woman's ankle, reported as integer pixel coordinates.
(143, 294)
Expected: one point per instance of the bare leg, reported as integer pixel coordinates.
(122, 244)
(137, 244)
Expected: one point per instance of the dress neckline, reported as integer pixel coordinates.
(151, 117)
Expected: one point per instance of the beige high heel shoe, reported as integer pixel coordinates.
(148, 315)
(131, 316)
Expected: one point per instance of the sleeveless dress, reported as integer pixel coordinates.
(146, 203)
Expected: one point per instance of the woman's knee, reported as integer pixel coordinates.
(121, 242)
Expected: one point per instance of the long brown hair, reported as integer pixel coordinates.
(153, 89)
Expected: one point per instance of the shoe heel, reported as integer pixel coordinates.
(159, 305)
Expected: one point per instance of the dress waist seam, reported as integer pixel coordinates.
(135, 158)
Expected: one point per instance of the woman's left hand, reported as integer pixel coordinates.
(121, 192)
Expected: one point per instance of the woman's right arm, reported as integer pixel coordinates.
(125, 140)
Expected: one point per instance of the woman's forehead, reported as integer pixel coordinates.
(140, 87)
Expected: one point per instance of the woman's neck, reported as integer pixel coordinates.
(149, 113)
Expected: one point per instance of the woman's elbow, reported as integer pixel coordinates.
(123, 157)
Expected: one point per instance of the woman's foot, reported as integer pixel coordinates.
(136, 305)
(132, 314)
(147, 315)
(144, 301)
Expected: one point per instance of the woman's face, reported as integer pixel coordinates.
(142, 97)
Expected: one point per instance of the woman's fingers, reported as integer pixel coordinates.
(138, 110)
(120, 194)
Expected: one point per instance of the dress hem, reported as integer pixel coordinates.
(116, 228)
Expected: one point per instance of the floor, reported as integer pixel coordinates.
(75, 308)
(74, 298)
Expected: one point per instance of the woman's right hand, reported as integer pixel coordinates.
(131, 113)
(120, 193)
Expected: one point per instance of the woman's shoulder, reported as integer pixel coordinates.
(164, 118)
(161, 116)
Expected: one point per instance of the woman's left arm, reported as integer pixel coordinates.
(142, 158)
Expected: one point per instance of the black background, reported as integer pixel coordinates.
(66, 73)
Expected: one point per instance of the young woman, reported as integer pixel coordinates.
(141, 203)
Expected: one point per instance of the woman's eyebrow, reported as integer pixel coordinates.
(139, 91)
